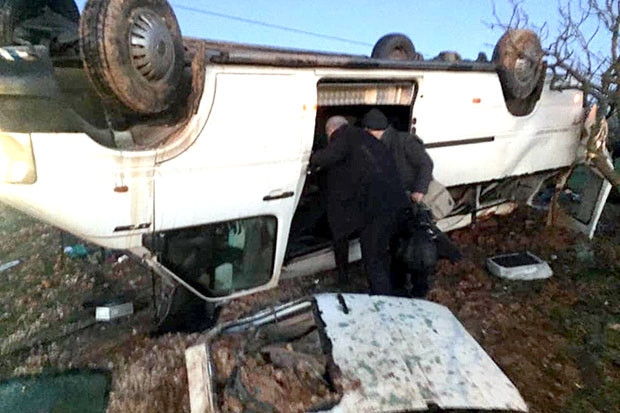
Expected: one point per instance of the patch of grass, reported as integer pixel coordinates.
(594, 342)
(8, 322)
(48, 267)
(12, 221)
(606, 398)
(560, 315)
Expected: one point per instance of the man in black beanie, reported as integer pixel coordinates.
(412, 160)
(415, 252)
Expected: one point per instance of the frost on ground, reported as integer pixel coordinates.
(556, 339)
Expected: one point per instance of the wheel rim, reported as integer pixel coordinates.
(152, 45)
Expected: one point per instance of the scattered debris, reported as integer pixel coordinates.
(274, 363)
(584, 252)
(10, 265)
(112, 311)
(614, 327)
(76, 251)
(519, 266)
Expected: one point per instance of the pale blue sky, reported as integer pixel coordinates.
(433, 25)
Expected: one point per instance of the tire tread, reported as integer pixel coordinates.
(118, 89)
(389, 42)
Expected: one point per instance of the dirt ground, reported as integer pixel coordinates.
(558, 340)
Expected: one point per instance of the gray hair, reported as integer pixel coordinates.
(334, 123)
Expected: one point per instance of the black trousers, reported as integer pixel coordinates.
(341, 256)
(375, 243)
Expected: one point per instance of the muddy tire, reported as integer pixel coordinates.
(394, 46)
(132, 51)
(523, 107)
(13, 12)
(519, 55)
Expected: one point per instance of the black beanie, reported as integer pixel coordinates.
(375, 120)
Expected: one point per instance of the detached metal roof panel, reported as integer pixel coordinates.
(403, 354)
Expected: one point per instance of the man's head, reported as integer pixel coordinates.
(375, 122)
(333, 124)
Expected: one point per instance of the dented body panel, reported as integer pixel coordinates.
(393, 354)
(409, 354)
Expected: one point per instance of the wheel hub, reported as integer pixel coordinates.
(398, 54)
(524, 70)
(151, 45)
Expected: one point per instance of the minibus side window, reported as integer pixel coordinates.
(219, 259)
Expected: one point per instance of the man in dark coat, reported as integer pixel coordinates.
(364, 195)
(412, 160)
(415, 249)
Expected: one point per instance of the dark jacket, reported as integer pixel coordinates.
(362, 180)
(412, 160)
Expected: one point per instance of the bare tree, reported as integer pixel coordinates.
(584, 53)
(576, 57)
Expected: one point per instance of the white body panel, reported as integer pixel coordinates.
(87, 189)
(545, 139)
(256, 142)
(252, 137)
(227, 172)
(416, 354)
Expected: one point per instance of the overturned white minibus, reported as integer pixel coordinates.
(192, 154)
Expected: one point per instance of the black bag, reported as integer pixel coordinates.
(417, 247)
(419, 217)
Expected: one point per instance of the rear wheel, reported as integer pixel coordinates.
(522, 107)
(394, 46)
(519, 56)
(133, 53)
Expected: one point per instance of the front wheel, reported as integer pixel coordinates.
(133, 53)
(394, 46)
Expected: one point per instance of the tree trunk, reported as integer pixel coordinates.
(601, 163)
